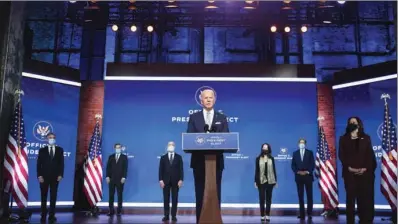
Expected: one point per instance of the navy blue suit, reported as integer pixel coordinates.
(196, 124)
(304, 181)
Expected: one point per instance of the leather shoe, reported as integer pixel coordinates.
(52, 218)
(174, 219)
(301, 217)
(110, 214)
(166, 218)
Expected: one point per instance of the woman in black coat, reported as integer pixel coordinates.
(359, 165)
(265, 180)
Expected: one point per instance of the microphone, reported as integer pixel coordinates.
(206, 128)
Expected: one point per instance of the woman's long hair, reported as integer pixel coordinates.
(269, 149)
(360, 126)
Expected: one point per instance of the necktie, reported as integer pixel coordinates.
(171, 158)
(302, 155)
(51, 152)
(208, 118)
(117, 157)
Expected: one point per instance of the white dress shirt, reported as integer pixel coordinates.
(302, 151)
(209, 120)
(51, 148)
(171, 154)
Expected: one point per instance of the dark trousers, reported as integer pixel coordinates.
(53, 185)
(265, 195)
(174, 199)
(359, 189)
(119, 187)
(307, 185)
(199, 176)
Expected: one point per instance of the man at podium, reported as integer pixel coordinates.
(205, 121)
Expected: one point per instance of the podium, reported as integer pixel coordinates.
(209, 143)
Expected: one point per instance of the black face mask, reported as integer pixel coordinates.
(352, 127)
(265, 152)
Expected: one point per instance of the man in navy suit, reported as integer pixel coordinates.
(171, 176)
(303, 164)
(207, 120)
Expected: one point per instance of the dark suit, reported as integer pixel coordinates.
(116, 171)
(307, 164)
(196, 124)
(50, 167)
(171, 172)
(264, 190)
(358, 154)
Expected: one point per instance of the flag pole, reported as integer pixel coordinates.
(385, 97)
(94, 211)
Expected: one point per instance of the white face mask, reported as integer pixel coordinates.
(170, 149)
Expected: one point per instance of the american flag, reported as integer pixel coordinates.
(389, 184)
(325, 172)
(93, 169)
(16, 160)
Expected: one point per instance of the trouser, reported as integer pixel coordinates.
(359, 189)
(53, 186)
(265, 196)
(112, 188)
(174, 199)
(307, 185)
(199, 176)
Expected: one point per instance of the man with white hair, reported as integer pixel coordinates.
(171, 176)
(207, 120)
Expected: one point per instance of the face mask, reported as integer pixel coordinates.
(302, 146)
(170, 149)
(265, 151)
(51, 141)
(352, 127)
(118, 151)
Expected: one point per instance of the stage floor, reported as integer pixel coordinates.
(80, 218)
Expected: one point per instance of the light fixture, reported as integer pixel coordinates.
(341, 2)
(115, 28)
(249, 5)
(133, 28)
(304, 29)
(286, 5)
(72, 1)
(211, 5)
(149, 28)
(286, 1)
(287, 29)
(273, 29)
(327, 21)
(171, 4)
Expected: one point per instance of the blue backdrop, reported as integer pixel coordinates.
(364, 101)
(50, 107)
(145, 115)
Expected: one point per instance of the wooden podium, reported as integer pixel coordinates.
(211, 212)
(208, 143)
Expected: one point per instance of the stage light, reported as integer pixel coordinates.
(171, 4)
(304, 29)
(341, 2)
(149, 28)
(72, 1)
(273, 29)
(133, 28)
(327, 21)
(286, 1)
(248, 5)
(115, 28)
(211, 5)
(287, 29)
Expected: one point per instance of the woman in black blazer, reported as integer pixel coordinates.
(265, 179)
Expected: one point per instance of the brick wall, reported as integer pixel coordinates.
(325, 109)
(91, 103)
